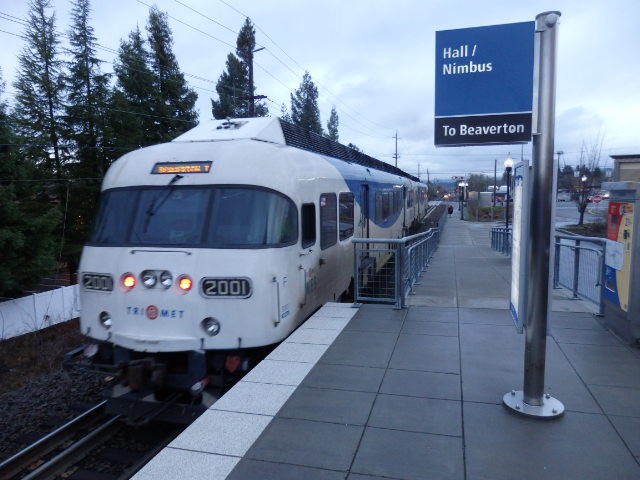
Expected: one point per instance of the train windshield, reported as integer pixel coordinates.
(213, 217)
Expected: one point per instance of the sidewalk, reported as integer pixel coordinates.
(417, 393)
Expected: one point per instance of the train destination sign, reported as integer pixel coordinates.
(484, 85)
(166, 168)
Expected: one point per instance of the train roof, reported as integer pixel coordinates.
(276, 130)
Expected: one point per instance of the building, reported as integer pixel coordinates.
(626, 168)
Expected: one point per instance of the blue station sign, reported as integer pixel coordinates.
(484, 85)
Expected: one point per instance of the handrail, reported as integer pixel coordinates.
(386, 269)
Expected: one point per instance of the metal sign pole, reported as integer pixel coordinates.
(531, 401)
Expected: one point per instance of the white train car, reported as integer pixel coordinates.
(223, 241)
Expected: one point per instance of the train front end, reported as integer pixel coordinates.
(185, 282)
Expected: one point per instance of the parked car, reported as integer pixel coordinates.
(603, 194)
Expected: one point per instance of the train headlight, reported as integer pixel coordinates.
(105, 320)
(166, 279)
(148, 278)
(185, 283)
(211, 326)
(128, 281)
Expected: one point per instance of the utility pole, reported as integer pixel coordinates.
(395, 156)
(252, 97)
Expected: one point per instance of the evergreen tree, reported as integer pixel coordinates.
(174, 101)
(131, 118)
(40, 92)
(332, 125)
(304, 106)
(234, 85)
(87, 96)
(284, 113)
(231, 87)
(27, 244)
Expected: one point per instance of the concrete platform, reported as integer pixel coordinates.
(376, 393)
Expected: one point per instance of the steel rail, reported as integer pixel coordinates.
(49, 442)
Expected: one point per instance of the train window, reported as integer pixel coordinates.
(328, 220)
(112, 222)
(218, 217)
(346, 204)
(249, 217)
(308, 214)
(170, 216)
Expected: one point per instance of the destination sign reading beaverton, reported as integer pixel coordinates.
(484, 85)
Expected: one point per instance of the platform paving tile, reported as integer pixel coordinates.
(409, 455)
(380, 319)
(432, 314)
(421, 384)
(486, 316)
(427, 353)
(585, 336)
(345, 377)
(501, 445)
(425, 327)
(313, 336)
(325, 405)
(366, 349)
(235, 433)
(629, 430)
(307, 443)
(261, 470)
(173, 463)
(414, 414)
(623, 401)
(298, 352)
(257, 398)
(605, 365)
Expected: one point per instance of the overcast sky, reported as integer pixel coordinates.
(375, 61)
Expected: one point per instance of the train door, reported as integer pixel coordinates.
(309, 265)
(329, 272)
(404, 210)
(364, 210)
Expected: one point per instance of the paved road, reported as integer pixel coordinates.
(567, 213)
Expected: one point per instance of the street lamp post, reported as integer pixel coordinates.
(508, 165)
(462, 186)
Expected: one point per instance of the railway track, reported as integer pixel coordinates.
(92, 445)
(30, 461)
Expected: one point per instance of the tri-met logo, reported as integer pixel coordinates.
(152, 312)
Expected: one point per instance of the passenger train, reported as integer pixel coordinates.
(221, 242)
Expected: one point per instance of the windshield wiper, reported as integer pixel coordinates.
(153, 209)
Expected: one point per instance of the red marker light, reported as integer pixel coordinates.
(128, 281)
(185, 283)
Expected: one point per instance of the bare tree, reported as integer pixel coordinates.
(588, 174)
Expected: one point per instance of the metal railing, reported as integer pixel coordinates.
(501, 239)
(578, 263)
(579, 266)
(387, 269)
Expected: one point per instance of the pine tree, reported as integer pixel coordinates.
(174, 101)
(87, 94)
(231, 87)
(27, 244)
(284, 113)
(131, 118)
(87, 97)
(234, 85)
(39, 89)
(332, 125)
(304, 106)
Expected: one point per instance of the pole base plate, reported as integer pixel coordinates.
(550, 408)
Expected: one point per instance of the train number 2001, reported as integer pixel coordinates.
(226, 287)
